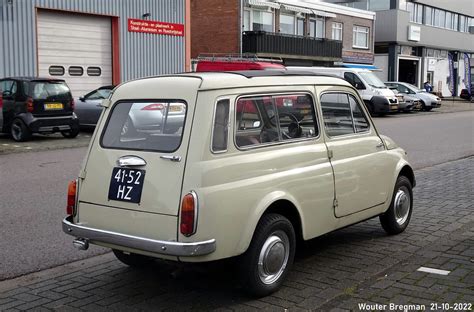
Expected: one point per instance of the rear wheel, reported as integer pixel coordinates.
(19, 131)
(71, 134)
(396, 218)
(131, 259)
(270, 255)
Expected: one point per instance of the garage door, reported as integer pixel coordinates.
(75, 47)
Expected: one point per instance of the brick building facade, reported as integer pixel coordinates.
(299, 32)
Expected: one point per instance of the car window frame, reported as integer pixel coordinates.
(218, 99)
(363, 109)
(106, 124)
(280, 142)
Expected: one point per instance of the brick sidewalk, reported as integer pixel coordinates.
(338, 271)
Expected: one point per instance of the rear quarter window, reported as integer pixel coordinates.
(145, 125)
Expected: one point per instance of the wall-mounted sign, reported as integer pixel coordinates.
(432, 64)
(414, 33)
(357, 57)
(155, 27)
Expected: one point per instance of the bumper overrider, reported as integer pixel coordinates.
(85, 234)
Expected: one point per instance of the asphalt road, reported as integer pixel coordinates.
(33, 187)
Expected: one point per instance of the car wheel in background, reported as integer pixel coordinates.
(396, 218)
(19, 131)
(270, 255)
(71, 134)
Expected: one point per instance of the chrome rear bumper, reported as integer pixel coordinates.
(145, 244)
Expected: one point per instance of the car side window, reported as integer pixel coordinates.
(361, 123)
(8, 88)
(281, 118)
(337, 114)
(220, 130)
(354, 80)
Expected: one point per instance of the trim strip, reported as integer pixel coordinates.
(145, 244)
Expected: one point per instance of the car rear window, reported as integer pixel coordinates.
(42, 90)
(146, 125)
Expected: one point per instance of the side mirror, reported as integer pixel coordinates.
(82, 99)
(359, 86)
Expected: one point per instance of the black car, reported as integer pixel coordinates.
(36, 105)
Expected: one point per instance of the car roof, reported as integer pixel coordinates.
(31, 78)
(254, 78)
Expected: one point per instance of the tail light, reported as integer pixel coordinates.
(29, 105)
(71, 197)
(72, 104)
(1, 102)
(153, 107)
(189, 212)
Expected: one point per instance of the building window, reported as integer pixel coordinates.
(56, 70)
(442, 19)
(76, 71)
(246, 24)
(416, 12)
(287, 24)
(300, 27)
(337, 31)
(94, 71)
(360, 37)
(262, 20)
(429, 16)
(316, 27)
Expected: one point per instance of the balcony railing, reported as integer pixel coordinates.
(273, 44)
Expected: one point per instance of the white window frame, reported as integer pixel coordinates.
(295, 22)
(337, 27)
(356, 30)
(315, 20)
(251, 10)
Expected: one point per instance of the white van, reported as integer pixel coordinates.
(378, 98)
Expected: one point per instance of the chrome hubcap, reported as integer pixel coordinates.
(273, 257)
(402, 204)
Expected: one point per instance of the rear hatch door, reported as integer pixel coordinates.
(134, 166)
(50, 98)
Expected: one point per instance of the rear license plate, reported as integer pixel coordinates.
(394, 106)
(51, 106)
(126, 184)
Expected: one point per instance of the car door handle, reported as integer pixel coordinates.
(380, 145)
(171, 157)
(131, 161)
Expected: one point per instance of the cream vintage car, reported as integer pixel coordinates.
(262, 159)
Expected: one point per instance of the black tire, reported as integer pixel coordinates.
(428, 108)
(71, 134)
(275, 235)
(131, 259)
(370, 108)
(19, 131)
(396, 218)
(424, 107)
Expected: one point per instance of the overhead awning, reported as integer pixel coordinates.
(266, 4)
(322, 13)
(362, 66)
(297, 9)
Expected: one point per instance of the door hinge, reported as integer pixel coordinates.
(82, 174)
(335, 203)
(330, 154)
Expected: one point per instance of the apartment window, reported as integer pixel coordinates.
(442, 19)
(429, 16)
(416, 12)
(316, 27)
(300, 27)
(337, 31)
(287, 24)
(262, 20)
(379, 5)
(360, 38)
(402, 5)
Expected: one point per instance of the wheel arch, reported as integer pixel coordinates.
(407, 171)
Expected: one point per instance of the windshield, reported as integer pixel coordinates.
(43, 90)
(372, 80)
(414, 88)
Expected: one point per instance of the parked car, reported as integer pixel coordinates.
(36, 105)
(88, 107)
(379, 99)
(244, 177)
(427, 100)
(406, 102)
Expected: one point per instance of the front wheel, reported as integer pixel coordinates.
(396, 218)
(71, 134)
(270, 255)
